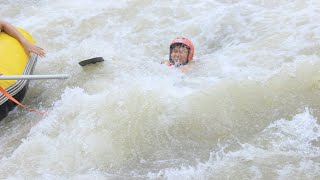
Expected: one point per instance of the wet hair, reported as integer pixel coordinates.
(179, 45)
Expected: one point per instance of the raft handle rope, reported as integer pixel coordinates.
(4, 92)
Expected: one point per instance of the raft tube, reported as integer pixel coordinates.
(14, 61)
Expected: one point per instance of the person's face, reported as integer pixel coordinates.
(179, 55)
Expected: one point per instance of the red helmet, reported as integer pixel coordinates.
(184, 41)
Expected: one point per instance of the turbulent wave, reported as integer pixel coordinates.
(248, 109)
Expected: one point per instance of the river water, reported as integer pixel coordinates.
(248, 109)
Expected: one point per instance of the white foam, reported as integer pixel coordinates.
(130, 113)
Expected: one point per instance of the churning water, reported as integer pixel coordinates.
(248, 109)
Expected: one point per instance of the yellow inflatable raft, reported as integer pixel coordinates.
(14, 61)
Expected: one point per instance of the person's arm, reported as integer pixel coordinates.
(187, 68)
(28, 47)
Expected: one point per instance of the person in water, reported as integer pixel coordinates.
(180, 54)
(28, 47)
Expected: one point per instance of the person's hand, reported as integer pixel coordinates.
(30, 48)
(166, 62)
(185, 69)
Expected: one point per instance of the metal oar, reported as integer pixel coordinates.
(53, 76)
(34, 77)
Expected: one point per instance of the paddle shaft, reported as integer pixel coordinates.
(34, 77)
(55, 76)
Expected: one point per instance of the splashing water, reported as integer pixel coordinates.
(248, 109)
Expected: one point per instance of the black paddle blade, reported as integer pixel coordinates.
(91, 61)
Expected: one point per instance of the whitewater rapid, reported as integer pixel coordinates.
(248, 109)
